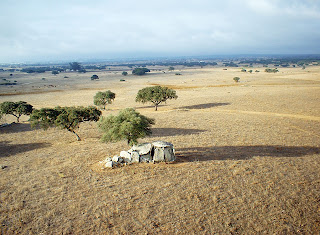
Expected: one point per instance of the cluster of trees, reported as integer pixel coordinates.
(100, 67)
(230, 64)
(166, 64)
(128, 124)
(75, 66)
(41, 69)
(140, 71)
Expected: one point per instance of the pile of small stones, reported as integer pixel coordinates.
(158, 151)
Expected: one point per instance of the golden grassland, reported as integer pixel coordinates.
(248, 157)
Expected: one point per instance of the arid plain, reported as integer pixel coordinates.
(248, 157)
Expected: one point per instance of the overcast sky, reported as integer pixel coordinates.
(42, 30)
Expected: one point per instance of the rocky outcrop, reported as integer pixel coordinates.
(159, 151)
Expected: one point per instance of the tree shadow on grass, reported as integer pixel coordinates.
(163, 132)
(16, 128)
(204, 106)
(242, 152)
(7, 149)
(150, 106)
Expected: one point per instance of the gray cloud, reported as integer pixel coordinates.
(41, 30)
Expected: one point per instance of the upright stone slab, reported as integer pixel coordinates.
(158, 155)
(135, 157)
(169, 155)
(163, 152)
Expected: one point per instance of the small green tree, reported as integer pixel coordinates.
(55, 72)
(68, 118)
(128, 125)
(236, 79)
(16, 109)
(140, 71)
(124, 73)
(155, 95)
(171, 68)
(94, 77)
(103, 98)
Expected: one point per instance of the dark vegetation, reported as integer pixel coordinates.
(94, 77)
(140, 71)
(271, 70)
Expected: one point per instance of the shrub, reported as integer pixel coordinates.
(94, 77)
(236, 79)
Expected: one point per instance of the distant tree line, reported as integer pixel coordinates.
(41, 69)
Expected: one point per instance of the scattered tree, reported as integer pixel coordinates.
(103, 98)
(16, 109)
(243, 70)
(94, 77)
(129, 125)
(155, 95)
(250, 71)
(140, 71)
(68, 118)
(171, 68)
(236, 79)
(124, 73)
(55, 72)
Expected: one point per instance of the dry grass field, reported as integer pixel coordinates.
(248, 157)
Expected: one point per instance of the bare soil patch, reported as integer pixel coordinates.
(248, 158)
